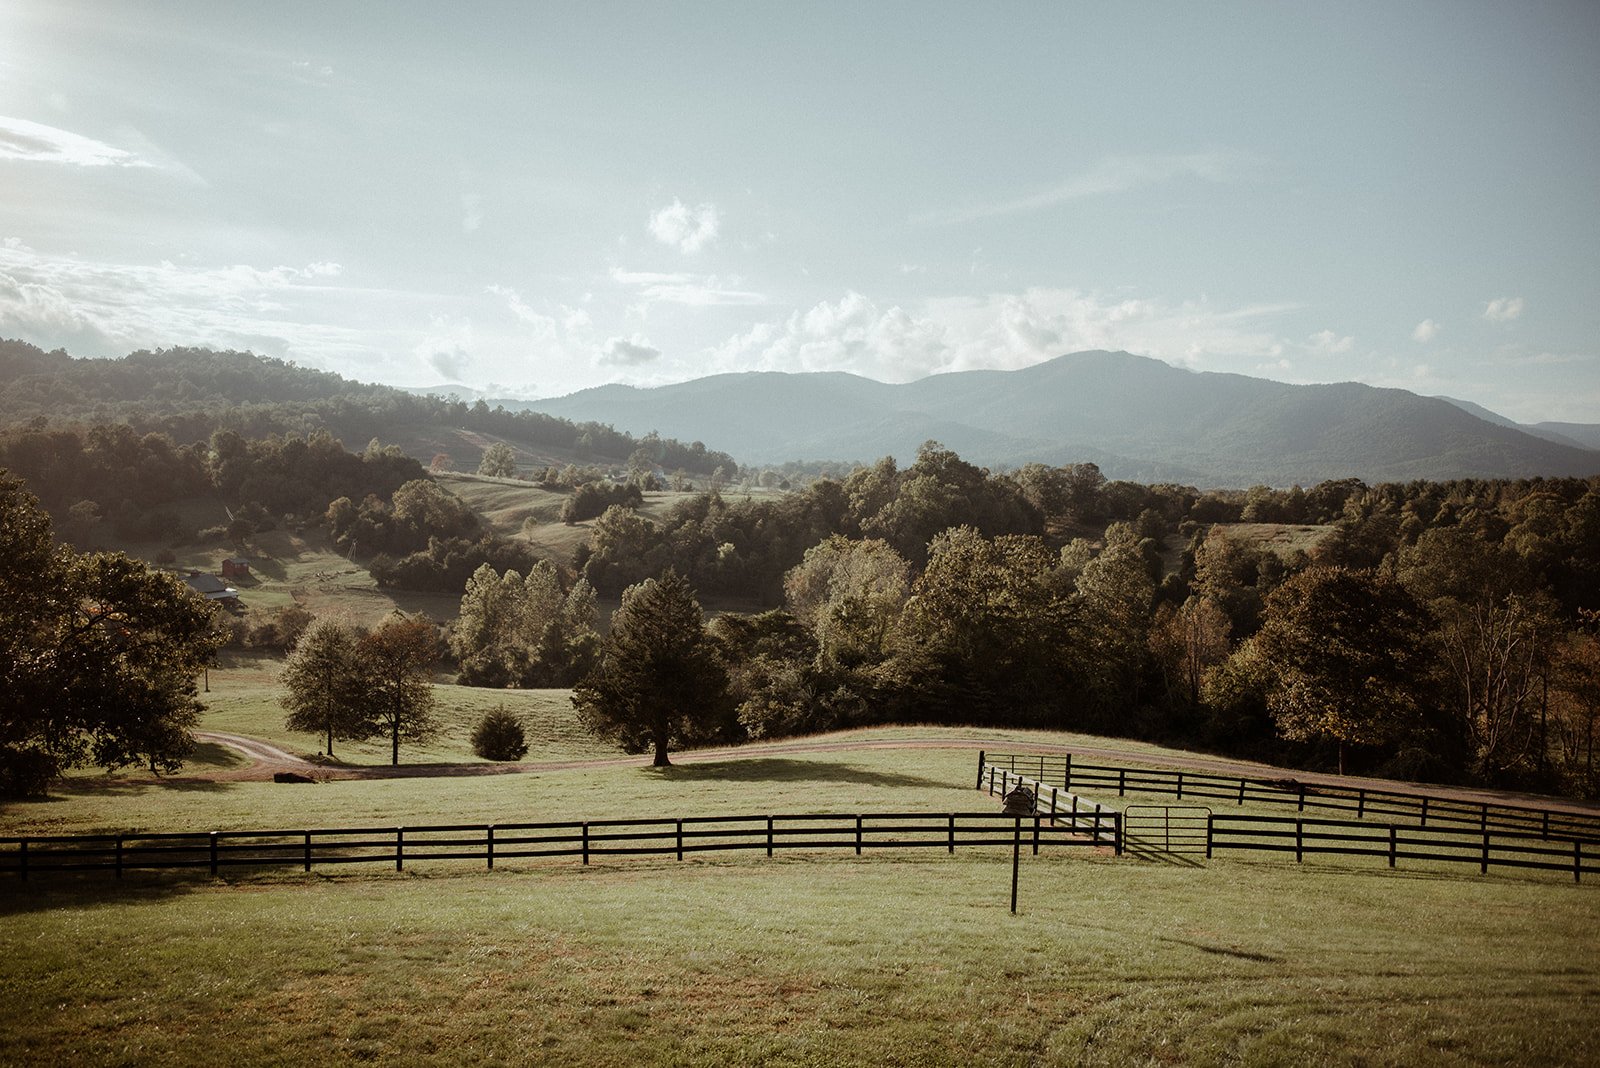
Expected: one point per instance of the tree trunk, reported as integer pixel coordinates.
(330, 741)
(1341, 756)
(394, 744)
(661, 760)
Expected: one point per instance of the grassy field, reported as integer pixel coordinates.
(807, 961)
(812, 959)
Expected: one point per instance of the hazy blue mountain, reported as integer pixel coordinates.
(1137, 417)
(1578, 435)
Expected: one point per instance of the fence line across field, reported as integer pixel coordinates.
(1364, 802)
(1311, 836)
(489, 843)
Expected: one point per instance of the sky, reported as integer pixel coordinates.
(537, 198)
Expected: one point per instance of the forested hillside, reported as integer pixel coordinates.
(188, 394)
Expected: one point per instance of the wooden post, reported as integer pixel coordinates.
(1180, 786)
(1424, 810)
(308, 851)
(399, 848)
(22, 859)
(769, 836)
(213, 853)
(1546, 823)
(1036, 833)
(680, 839)
(1066, 774)
(586, 842)
(1483, 862)
(950, 839)
(980, 771)
(1361, 804)
(1302, 807)
(1483, 822)
(1209, 818)
(1016, 858)
(1299, 840)
(488, 845)
(1041, 767)
(1241, 791)
(1391, 844)
(1116, 830)
(858, 835)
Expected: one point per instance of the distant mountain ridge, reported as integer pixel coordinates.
(1138, 418)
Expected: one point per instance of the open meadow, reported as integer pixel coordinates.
(825, 958)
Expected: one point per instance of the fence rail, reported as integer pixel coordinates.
(1102, 824)
(1396, 842)
(1422, 808)
(491, 843)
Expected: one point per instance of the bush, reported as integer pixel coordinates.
(499, 735)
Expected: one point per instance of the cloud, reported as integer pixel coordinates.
(37, 143)
(1503, 309)
(1113, 174)
(685, 228)
(1327, 343)
(691, 290)
(1425, 331)
(629, 351)
(1002, 331)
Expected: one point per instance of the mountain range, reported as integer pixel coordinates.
(1137, 418)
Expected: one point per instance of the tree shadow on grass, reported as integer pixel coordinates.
(778, 769)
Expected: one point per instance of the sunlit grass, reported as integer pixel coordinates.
(808, 961)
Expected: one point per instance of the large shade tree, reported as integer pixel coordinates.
(324, 686)
(98, 655)
(660, 682)
(1346, 652)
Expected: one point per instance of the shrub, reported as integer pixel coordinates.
(499, 735)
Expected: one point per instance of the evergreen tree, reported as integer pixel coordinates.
(660, 682)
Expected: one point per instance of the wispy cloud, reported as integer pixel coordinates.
(1425, 331)
(1503, 309)
(699, 291)
(1114, 174)
(35, 142)
(687, 229)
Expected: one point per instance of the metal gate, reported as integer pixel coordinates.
(1168, 829)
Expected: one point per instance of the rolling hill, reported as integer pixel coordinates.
(1138, 418)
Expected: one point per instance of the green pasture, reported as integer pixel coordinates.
(887, 959)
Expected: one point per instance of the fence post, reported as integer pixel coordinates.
(1577, 860)
(1299, 840)
(769, 836)
(1180, 786)
(1122, 781)
(1067, 774)
(399, 848)
(213, 853)
(1361, 804)
(1391, 844)
(1424, 810)
(308, 851)
(1483, 822)
(586, 842)
(1041, 767)
(1209, 818)
(680, 839)
(119, 856)
(858, 834)
(1116, 831)
(1036, 833)
(1483, 863)
(950, 842)
(1546, 823)
(488, 845)
(980, 771)
(1016, 857)
(1302, 807)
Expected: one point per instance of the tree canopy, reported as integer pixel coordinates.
(98, 656)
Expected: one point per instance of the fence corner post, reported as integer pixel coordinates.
(980, 771)
(1209, 833)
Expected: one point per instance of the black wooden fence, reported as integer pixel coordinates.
(1487, 841)
(1363, 803)
(491, 843)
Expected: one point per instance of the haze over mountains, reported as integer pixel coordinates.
(1138, 418)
